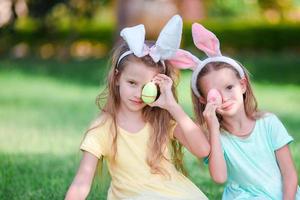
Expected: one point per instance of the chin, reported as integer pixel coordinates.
(230, 113)
(137, 108)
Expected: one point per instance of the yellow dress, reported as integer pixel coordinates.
(130, 175)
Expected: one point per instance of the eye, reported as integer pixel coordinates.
(131, 82)
(229, 87)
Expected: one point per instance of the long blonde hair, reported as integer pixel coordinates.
(250, 103)
(108, 102)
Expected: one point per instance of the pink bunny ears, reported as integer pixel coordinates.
(207, 42)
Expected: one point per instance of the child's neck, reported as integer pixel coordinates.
(240, 125)
(130, 121)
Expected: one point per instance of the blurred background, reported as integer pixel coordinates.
(54, 57)
(85, 29)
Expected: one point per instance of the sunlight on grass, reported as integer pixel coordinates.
(41, 115)
(280, 99)
(43, 119)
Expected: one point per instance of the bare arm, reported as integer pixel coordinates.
(217, 164)
(82, 182)
(288, 172)
(188, 133)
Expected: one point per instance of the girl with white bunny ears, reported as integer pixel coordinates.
(249, 149)
(141, 143)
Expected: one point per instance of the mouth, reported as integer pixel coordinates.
(227, 106)
(138, 102)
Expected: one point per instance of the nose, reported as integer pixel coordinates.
(138, 93)
(224, 96)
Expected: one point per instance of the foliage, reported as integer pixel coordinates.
(245, 35)
(234, 36)
(63, 24)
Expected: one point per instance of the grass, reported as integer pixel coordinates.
(46, 106)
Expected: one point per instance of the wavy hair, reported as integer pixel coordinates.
(108, 102)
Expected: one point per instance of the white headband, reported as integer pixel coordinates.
(165, 47)
(208, 43)
(201, 64)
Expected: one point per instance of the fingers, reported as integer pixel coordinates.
(210, 111)
(220, 111)
(162, 80)
(162, 76)
(210, 116)
(154, 104)
(166, 97)
(221, 107)
(210, 108)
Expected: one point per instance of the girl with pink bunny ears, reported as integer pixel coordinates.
(141, 142)
(249, 149)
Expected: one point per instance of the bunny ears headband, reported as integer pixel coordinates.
(209, 44)
(165, 47)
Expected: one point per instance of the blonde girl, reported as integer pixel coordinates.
(141, 143)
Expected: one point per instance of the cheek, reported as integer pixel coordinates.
(120, 85)
(121, 92)
(239, 95)
(123, 89)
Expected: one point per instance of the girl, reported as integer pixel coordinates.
(249, 149)
(139, 141)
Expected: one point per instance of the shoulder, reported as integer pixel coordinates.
(275, 131)
(97, 137)
(100, 124)
(269, 118)
(269, 124)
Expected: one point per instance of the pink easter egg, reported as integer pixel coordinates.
(214, 96)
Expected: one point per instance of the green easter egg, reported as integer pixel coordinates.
(149, 93)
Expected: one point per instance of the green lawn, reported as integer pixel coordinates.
(46, 106)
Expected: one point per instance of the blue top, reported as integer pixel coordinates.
(253, 172)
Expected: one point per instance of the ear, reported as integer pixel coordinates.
(205, 40)
(184, 60)
(244, 84)
(117, 77)
(202, 100)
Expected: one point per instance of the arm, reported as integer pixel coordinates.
(288, 172)
(188, 133)
(82, 182)
(217, 164)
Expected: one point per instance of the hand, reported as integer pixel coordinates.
(166, 98)
(214, 96)
(210, 116)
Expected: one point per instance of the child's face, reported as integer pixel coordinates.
(131, 81)
(229, 86)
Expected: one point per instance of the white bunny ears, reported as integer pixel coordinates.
(165, 47)
(209, 44)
